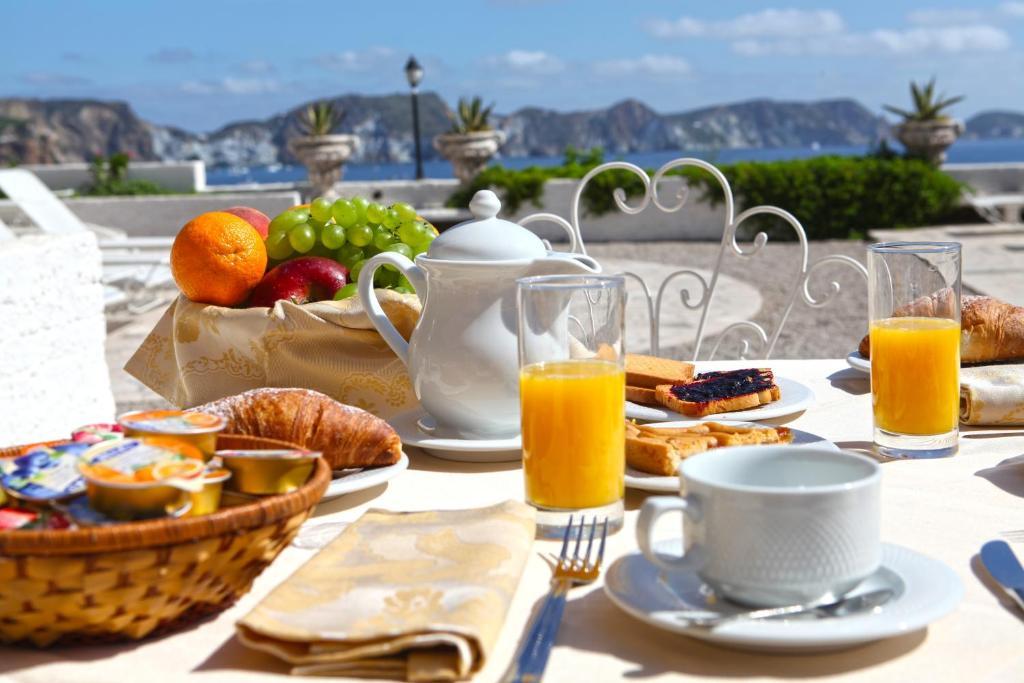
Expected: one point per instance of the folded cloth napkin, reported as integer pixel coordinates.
(992, 395)
(420, 596)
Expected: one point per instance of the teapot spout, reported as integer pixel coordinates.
(561, 263)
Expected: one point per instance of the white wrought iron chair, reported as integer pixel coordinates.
(755, 340)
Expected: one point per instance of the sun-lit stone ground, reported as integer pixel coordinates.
(829, 332)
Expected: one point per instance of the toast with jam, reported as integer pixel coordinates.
(720, 391)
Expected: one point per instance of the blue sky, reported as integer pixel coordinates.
(202, 64)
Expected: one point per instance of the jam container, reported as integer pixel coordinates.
(268, 471)
(140, 478)
(44, 474)
(79, 511)
(208, 499)
(95, 433)
(198, 429)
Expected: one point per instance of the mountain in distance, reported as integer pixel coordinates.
(54, 131)
(995, 124)
(632, 126)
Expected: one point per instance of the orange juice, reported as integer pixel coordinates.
(573, 415)
(915, 375)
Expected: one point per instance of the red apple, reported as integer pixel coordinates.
(301, 280)
(253, 217)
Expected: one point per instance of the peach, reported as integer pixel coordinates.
(254, 217)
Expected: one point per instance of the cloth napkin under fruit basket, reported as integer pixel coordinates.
(198, 353)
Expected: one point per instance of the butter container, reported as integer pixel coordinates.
(44, 474)
(198, 429)
(265, 472)
(207, 500)
(140, 478)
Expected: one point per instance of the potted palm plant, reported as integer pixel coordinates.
(926, 131)
(321, 151)
(471, 142)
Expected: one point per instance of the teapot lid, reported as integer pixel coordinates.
(486, 237)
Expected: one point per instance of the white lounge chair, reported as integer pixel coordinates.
(135, 269)
(1001, 208)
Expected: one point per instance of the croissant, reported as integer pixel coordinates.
(348, 437)
(990, 329)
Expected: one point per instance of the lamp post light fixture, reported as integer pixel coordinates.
(414, 73)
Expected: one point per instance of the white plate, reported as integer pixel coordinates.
(635, 479)
(350, 481)
(859, 362)
(796, 397)
(929, 590)
(460, 450)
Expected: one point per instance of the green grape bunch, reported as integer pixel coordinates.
(351, 230)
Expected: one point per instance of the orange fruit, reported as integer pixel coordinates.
(217, 258)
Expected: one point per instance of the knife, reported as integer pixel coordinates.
(1003, 565)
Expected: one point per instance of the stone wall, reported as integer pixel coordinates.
(180, 176)
(53, 376)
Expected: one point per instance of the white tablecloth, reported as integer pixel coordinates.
(943, 508)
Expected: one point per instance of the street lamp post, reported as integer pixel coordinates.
(414, 73)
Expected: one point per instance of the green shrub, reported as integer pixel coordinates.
(109, 178)
(832, 197)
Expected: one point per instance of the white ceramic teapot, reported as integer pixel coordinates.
(463, 356)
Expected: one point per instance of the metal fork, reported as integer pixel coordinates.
(567, 572)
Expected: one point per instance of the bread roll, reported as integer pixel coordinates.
(990, 329)
(348, 437)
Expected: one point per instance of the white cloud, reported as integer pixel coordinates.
(768, 23)
(356, 60)
(945, 16)
(49, 78)
(950, 40)
(257, 67)
(231, 86)
(172, 55)
(527, 61)
(1015, 9)
(665, 66)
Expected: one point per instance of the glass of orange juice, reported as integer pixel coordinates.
(914, 313)
(572, 388)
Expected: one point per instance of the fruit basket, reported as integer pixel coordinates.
(131, 580)
(271, 303)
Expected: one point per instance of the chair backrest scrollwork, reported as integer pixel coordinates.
(697, 293)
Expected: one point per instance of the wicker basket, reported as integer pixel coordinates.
(127, 581)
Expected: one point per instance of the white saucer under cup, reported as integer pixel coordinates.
(925, 590)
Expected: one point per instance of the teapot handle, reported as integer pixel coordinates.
(373, 308)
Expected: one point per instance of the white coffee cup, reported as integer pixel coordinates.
(773, 525)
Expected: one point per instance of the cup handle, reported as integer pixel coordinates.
(373, 309)
(650, 513)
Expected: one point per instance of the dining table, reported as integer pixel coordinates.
(942, 508)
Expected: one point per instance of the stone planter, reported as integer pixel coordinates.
(323, 156)
(929, 140)
(469, 152)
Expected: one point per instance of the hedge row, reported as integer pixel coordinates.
(833, 197)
